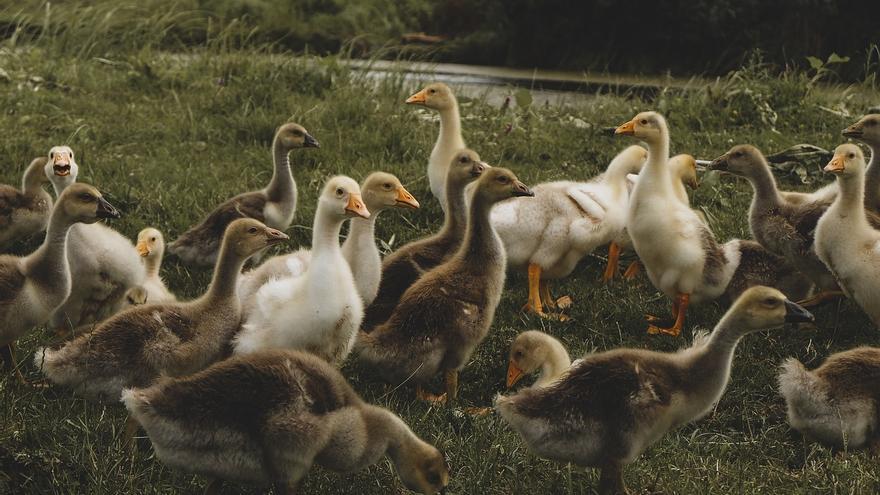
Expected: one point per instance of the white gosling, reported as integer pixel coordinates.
(438, 96)
(845, 241)
(319, 311)
(547, 235)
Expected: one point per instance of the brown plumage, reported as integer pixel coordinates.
(136, 346)
(268, 416)
(444, 315)
(274, 205)
(25, 211)
(405, 265)
(607, 408)
(781, 224)
(33, 286)
(838, 403)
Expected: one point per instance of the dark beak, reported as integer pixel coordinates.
(106, 210)
(443, 490)
(520, 189)
(479, 168)
(853, 131)
(795, 313)
(311, 142)
(719, 164)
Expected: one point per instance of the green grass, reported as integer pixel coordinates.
(166, 138)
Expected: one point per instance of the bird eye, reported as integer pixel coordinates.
(518, 354)
(252, 230)
(71, 153)
(432, 91)
(152, 239)
(643, 122)
(86, 197)
(339, 192)
(52, 155)
(851, 155)
(297, 133)
(503, 179)
(387, 185)
(738, 154)
(771, 301)
(464, 159)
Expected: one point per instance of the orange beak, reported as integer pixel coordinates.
(61, 158)
(627, 129)
(405, 199)
(356, 206)
(514, 374)
(835, 166)
(143, 249)
(419, 98)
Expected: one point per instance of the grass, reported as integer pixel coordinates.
(167, 137)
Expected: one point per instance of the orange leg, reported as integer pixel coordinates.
(426, 396)
(822, 298)
(679, 310)
(534, 305)
(544, 291)
(632, 271)
(613, 259)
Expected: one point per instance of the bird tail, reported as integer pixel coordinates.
(802, 391)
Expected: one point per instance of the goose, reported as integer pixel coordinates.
(684, 173)
(845, 240)
(549, 234)
(274, 205)
(381, 191)
(404, 266)
(444, 315)
(532, 351)
(320, 310)
(104, 264)
(837, 403)
(31, 287)
(438, 96)
(784, 227)
(140, 344)
(151, 246)
(25, 211)
(867, 130)
(267, 417)
(61, 168)
(611, 406)
(680, 254)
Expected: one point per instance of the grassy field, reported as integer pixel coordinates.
(166, 138)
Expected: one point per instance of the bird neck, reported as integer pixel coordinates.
(849, 204)
(764, 184)
(325, 233)
(656, 169)
(34, 176)
(711, 362)
(481, 243)
(556, 362)
(450, 129)
(224, 283)
(455, 221)
(361, 234)
(872, 177)
(50, 259)
(153, 263)
(282, 184)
